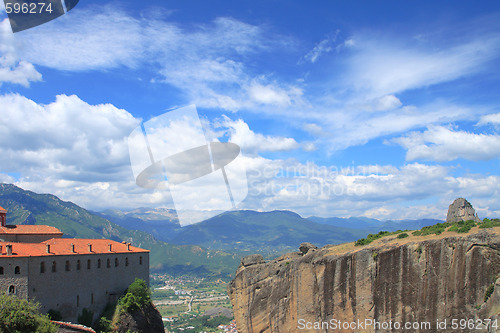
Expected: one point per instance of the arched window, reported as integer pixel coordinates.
(91, 298)
(140, 260)
(126, 261)
(17, 270)
(116, 262)
(77, 300)
(78, 265)
(1, 270)
(98, 263)
(42, 267)
(12, 290)
(54, 267)
(67, 266)
(108, 263)
(89, 264)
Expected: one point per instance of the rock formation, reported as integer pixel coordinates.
(146, 319)
(418, 279)
(461, 210)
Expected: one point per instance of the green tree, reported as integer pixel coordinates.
(140, 290)
(138, 295)
(19, 316)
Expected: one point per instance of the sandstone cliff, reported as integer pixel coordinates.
(416, 279)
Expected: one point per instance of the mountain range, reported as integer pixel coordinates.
(27, 207)
(213, 246)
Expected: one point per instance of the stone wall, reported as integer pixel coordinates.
(70, 291)
(9, 266)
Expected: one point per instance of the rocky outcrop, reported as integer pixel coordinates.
(461, 210)
(420, 280)
(304, 248)
(146, 319)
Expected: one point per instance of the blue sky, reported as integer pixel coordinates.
(385, 109)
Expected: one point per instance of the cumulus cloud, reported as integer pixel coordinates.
(76, 141)
(370, 190)
(440, 144)
(81, 154)
(252, 143)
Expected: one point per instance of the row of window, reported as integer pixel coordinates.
(17, 270)
(67, 266)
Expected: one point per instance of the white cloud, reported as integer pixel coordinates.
(439, 143)
(313, 129)
(388, 102)
(350, 127)
(13, 70)
(309, 146)
(325, 46)
(251, 142)
(81, 155)
(83, 40)
(5, 178)
(381, 67)
(493, 118)
(370, 190)
(273, 95)
(206, 62)
(77, 142)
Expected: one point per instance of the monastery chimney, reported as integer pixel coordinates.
(128, 246)
(48, 248)
(3, 217)
(109, 247)
(90, 247)
(73, 248)
(9, 249)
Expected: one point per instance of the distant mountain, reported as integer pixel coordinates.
(26, 207)
(263, 232)
(372, 225)
(350, 222)
(246, 231)
(162, 223)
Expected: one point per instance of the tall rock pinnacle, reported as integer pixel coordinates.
(461, 210)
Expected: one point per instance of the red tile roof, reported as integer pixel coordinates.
(2, 210)
(70, 327)
(30, 230)
(64, 246)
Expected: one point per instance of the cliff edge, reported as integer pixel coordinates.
(418, 279)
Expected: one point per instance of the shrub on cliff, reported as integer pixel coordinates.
(138, 295)
(487, 223)
(19, 315)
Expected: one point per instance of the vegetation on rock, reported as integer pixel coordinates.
(19, 315)
(436, 229)
(137, 295)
